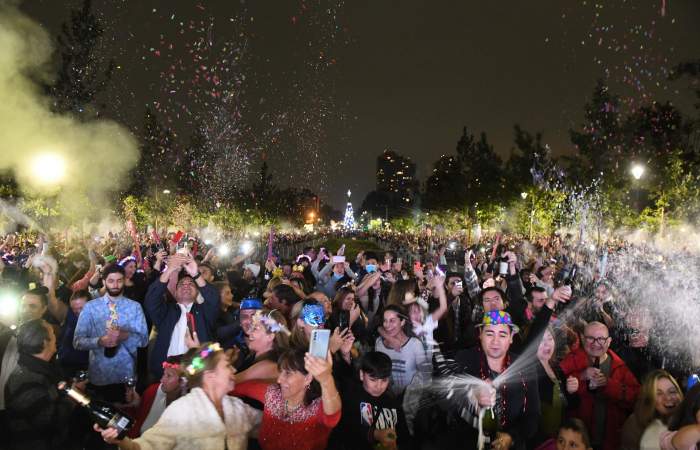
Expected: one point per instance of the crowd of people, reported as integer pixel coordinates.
(503, 346)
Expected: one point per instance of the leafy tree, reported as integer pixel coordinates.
(157, 169)
(481, 168)
(82, 74)
(600, 140)
(446, 186)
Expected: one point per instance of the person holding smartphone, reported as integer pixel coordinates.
(302, 407)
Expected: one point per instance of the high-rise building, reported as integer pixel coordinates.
(396, 176)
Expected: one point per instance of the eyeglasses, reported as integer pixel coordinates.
(597, 340)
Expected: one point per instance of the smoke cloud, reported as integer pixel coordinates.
(80, 163)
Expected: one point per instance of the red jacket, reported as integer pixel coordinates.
(621, 392)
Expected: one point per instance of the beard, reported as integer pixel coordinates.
(115, 292)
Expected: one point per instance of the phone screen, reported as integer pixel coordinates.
(190, 323)
(318, 346)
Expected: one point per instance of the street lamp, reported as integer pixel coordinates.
(637, 171)
(523, 195)
(166, 191)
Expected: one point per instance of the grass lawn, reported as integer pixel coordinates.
(352, 247)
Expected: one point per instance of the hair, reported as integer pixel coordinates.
(31, 336)
(398, 291)
(577, 426)
(340, 295)
(371, 255)
(210, 363)
(293, 360)
(298, 338)
(41, 292)
(687, 411)
(80, 293)
(528, 293)
(112, 268)
(403, 315)
(493, 288)
(220, 285)
(376, 364)
(286, 294)
(281, 341)
(208, 266)
(645, 408)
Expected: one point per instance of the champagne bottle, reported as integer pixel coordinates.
(104, 414)
(592, 386)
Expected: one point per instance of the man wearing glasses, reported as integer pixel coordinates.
(607, 389)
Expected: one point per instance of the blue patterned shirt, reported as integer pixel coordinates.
(92, 325)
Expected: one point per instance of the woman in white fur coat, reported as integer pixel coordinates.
(206, 418)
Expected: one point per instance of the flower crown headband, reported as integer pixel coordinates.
(197, 363)
(167, 365)
(270, 323)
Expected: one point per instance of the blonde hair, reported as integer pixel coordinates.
(645, 408)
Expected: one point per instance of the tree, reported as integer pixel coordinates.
(481, 169)
(446, 187)
(157, 169)
(81, 75)
(600, 140)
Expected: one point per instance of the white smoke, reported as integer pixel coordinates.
(77, 163)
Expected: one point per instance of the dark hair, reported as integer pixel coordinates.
(41, 292)
(31, 336)
(403, 315)
(376, 364)
(371, 255)
(528, 293)
(208, 266)
(80, 293)
(489, 289)
(286, 294)
(579, 427)
(293, 360)
(687, 411)
(112, 268)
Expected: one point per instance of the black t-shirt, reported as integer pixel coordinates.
(361, 411)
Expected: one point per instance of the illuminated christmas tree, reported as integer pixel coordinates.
(349, 220)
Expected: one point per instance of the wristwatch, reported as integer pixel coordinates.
(196, 276)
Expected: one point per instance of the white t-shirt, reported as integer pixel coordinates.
(405, 364)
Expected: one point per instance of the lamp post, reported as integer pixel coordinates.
(532, 211)
(637, 172)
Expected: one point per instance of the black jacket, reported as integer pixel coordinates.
(360, 410)
(37, 415)
(522, 402)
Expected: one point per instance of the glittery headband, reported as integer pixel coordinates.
(270, 323)
(313, 315)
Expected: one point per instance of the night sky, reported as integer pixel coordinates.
(405, 75)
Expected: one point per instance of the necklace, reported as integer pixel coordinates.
(288, 412)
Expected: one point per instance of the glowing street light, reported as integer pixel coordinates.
(166, 191)
(637, 171)
(49, 168)
(523, 195)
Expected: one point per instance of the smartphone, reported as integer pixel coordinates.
(190, 324)
(343, 319)
(318, 346)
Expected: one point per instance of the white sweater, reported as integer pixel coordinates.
(192, 423)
